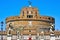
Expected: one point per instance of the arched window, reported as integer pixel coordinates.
(23, 13)
(29, 30)
(27, 12)
(49, 18)
(31, 12)
(36, 13)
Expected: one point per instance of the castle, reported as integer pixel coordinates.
(29, 25)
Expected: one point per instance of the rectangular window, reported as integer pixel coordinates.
(29, 16)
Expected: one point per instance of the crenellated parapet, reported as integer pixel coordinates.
(41, 18)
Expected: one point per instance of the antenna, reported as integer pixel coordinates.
(29, 3)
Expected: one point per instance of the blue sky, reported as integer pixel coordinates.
(45, 7)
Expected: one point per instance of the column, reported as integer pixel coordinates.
(22, 37)
(42, 35)
(18, 35)
(37, 37)
(52, 36)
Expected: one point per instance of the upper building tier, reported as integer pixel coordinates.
(30, 14)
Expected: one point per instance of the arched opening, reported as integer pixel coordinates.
(30, 38)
